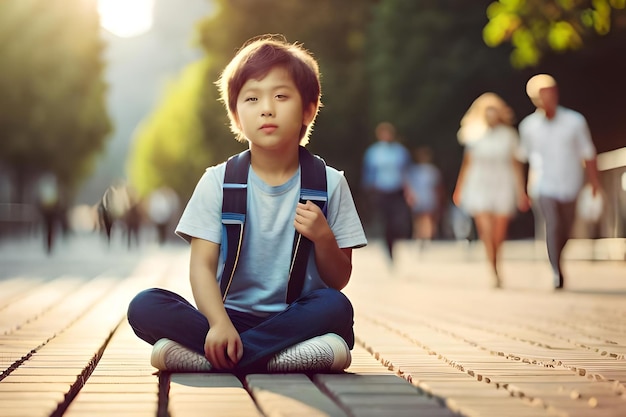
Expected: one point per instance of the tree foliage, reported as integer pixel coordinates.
(52, 109)
(172, 146)
(534, 27)
(426, 64)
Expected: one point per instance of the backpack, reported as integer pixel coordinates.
(234, 208)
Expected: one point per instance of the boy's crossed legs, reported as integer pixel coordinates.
(301, 338)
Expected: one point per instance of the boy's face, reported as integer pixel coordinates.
(270, 112)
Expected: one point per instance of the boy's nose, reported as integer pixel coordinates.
(267, 109)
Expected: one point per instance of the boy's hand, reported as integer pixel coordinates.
(223, 347)
(310, 222)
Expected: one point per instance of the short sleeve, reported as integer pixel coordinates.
(584, 144)
(202, 217)
(343, 217)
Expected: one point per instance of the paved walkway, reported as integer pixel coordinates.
(433, 338)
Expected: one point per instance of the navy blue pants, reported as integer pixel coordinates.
(157, 313)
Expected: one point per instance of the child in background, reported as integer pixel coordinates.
(424, 194)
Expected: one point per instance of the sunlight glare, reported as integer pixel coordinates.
(126, 18)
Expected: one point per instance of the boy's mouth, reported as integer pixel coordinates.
(268, 128)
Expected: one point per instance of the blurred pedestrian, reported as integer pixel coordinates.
(113, 207)
(490, 184)
(49, 204)
(424, 194)
(133, 217)
(557, 144)
(163, 205)
(385, 166)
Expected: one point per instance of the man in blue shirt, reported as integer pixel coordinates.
(384, 175)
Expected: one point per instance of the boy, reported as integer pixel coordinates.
(271, 91)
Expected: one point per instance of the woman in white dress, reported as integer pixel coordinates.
(490, 185)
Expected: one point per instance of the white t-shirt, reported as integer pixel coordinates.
(555, 150)
(260, 282)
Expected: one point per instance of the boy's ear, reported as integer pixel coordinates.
(308, 114)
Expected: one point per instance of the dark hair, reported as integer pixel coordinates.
(255, 59)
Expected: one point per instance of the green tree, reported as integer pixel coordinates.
(426, 64)
(53, 117)
(175, 143)
(534, 27)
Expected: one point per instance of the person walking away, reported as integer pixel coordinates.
(557, 145)
(490, 184)
(385, 165)
(424, 194)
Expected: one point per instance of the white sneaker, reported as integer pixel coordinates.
(168, 355)
(328, 353)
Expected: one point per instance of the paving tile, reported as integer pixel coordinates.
(27, 411)
(144, 387)
(290, 394)
(193, 395)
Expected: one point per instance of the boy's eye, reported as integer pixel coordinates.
(251, 99)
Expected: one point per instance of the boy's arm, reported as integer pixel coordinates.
(333, 263)
(222, 345)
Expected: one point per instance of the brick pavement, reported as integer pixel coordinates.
(522, 350)
(433, 339)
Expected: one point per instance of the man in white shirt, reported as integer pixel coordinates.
(557, 144)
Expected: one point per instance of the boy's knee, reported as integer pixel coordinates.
(141, 305)
(335, 301)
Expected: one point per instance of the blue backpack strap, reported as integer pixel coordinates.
(312, 188)
(234, 206)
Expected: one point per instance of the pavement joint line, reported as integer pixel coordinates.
(81, 379)
(89, 370)
(20, 292)
(91, 366)
(56, 334)
(51, 302)
(92, 362)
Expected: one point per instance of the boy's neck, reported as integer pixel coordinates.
(274, 167)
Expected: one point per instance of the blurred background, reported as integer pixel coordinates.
(109, 112)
